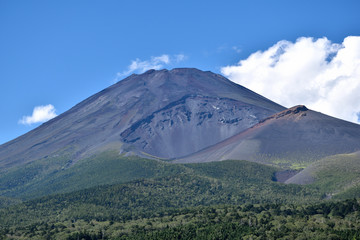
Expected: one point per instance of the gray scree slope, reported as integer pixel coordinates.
(294, 137)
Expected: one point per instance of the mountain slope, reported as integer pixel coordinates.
(158, 114)
(153, 109)
(109, 167)
(226, 182)
(292, 138)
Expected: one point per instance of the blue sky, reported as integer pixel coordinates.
(61, 52)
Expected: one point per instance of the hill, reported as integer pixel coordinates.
(337, 175)
(293, 138)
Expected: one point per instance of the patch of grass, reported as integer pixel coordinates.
(299, 165)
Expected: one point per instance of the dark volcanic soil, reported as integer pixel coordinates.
(282, 176)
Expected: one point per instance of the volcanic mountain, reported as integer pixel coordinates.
(293, 138)
(181, 116)
(165, 114)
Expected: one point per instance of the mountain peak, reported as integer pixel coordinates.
(292, 111)
(173, 71)
(299, 110)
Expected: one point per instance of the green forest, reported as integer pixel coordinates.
(217, 200)
(330, 220)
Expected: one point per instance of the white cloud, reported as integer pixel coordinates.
(40, 114)
(323, 75)
(158, 62)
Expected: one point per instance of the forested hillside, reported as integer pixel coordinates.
(201, 200)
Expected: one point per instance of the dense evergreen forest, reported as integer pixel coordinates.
(218, 200)
(331, 220)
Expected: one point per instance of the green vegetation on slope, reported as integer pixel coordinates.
(338, 176)
(338, 173)
(49, 176)
(18, 180)
(335, 175)
(228, 182)
(4, 201)
(217, 200)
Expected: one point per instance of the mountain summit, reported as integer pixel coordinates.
(164, 114)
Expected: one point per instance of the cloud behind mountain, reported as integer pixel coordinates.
(323, 75)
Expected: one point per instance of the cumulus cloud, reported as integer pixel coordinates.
(158, 62)
(40, 114)
(323, 75)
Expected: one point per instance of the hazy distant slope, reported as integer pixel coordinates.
(147, 111)
(337, 175)
(292, 138)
